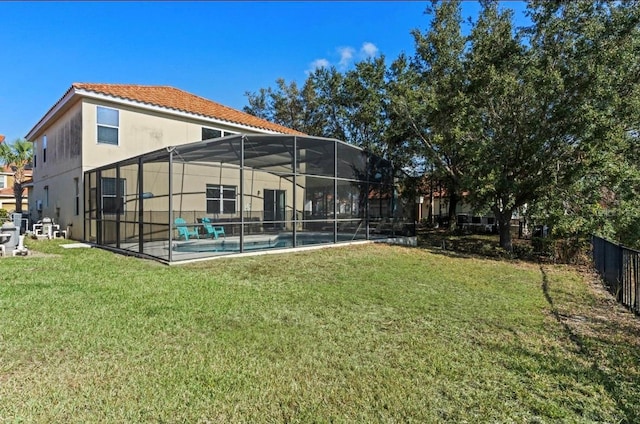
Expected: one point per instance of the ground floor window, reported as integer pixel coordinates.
(110, 204)
(76, 209)
(221, 199)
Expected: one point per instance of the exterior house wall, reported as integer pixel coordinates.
(191, 202)
(72, 148)
(194, 185)
(140, 131)
(440, 207)
(464, 212)
(56, 174)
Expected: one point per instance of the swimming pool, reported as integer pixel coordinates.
(256, 242)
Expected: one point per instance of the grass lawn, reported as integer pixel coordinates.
(369, 333)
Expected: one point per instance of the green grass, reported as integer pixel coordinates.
(371, 333)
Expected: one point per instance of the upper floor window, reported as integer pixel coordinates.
(108, 123)
(209, 133)
(44, 148)
(3, 181)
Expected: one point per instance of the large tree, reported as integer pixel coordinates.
(364, 100)
(593, 48)
(428, 104)
(544, 117)
(17, 156)
(513, 150)
(287, 105)
(549, 110)
(328, 84)
(349, 106)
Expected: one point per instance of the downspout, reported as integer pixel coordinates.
(140, 205)
(366, 196)
(170, 151)
(295, 189)
(242, 139)
(335, 191)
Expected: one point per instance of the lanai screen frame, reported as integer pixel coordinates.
(113, 224)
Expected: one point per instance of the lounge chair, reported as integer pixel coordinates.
(183, 231)
(213, 231)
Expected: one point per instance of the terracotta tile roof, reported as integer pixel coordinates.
(28, 172)
(1, 138)
(173, 98)
(7, 192)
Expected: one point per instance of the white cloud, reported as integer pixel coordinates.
(368, 50)
(346, 55)
(318, 63)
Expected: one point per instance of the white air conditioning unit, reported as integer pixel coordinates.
(39, 205)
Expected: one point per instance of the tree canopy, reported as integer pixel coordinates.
(541, 120)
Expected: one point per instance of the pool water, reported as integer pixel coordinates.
(260, 242)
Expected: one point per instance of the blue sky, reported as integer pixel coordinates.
(218, 50)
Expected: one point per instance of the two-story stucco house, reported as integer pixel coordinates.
(92, 125)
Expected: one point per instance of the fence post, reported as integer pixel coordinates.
(620, 294)
(636, 306)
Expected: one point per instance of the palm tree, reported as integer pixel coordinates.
(17, 156)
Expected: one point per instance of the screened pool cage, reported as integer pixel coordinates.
(242, 193)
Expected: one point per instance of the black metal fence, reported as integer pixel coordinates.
(620, 268)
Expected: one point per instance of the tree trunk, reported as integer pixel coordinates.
(453, 205)
(504, 229)
(17, 193)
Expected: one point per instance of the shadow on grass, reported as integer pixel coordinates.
(609, 360)
(463, 246)
(487, 246)
(575, 338)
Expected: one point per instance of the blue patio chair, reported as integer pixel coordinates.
(213, 231)
(183, 231)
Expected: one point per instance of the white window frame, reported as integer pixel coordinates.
(3, 181)
(210, 129)
(221, 199)
(123, 183)
(99, 124)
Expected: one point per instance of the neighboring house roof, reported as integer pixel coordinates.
(164, 97)
(6, 169)
(8, 191)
